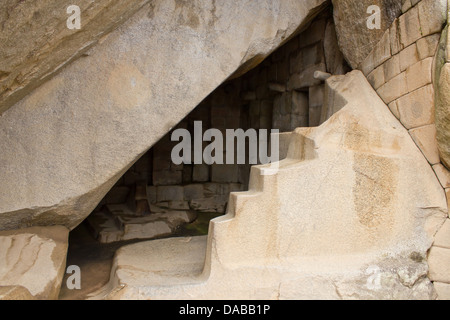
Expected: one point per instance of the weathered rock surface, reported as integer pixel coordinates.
(356, 40)
(442, 115)
(370, 205)
(66, 144)
(36, 41)
(34, 259)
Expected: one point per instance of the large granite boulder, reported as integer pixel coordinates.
(66, 144)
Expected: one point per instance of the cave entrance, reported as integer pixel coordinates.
(157, 199)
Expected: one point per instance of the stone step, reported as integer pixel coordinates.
(163, 262)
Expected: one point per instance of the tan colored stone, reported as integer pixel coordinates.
(408, 57)
(432, 15)
(427, 46)
(409, 28)
(300, 103)
(34, 258)
(392, 68)
(443, 175)
(393, 89)
(15, 293)
(376, 77)
(355, 39)
(442, 238)
(332, 102)
(406, 5)
(425, 139)
(439, 264)
(442, 290)
(315, 33)
(305, 79)
(334, 58)
(419, 74)
(380, 54)
(416, 109)
(442, 114)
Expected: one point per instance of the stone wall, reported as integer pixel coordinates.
(401, 68)
(281, 93)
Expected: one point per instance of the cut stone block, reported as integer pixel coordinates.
(151, 194)
(376, 77)
(315, 33)
(427, 46)
(85, 126)
(409, 28)
(417, 108)
(442, 238)
(15, 293)
(432, 15)
(34, 258)
(394, 109)
(393, 89)
(121, 226)
(443, 175)
(442, 290)
(193, 191)
(425, 138)
(167, 177)
(408, 57)
(439, 264)
(419, 74)
(300, 103)
(361, 229)
(334, 58)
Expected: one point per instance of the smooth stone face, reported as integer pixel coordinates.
(66, 144)
(34, 258)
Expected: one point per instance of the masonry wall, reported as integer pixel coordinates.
(281, 93)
